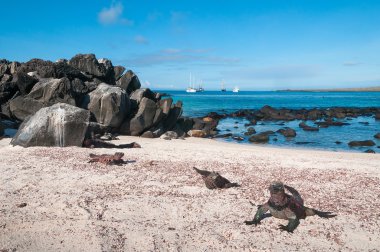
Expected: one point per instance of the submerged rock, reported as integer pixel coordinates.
(306, 127)
(287, 132)
(259, 138)
(361, 143)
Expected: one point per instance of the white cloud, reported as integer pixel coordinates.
(351, 63)
(113, 15)
(139, 39)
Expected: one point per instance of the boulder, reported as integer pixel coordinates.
(6, 78)
(250, 131)
(306, 127)
(169, 135)
(109, 104)
(144, 118)
(173, 116)
(110, 72)
(370, 151)
(88, 63)
(59, 125)
(197, 133)
(13, 67)
(3, 67)
(119, 70)
(140, 93)
(63, 69)
(361, 143)
(147, 134)
(7, 91)
(22, 107)
(377, 116)
(79, 91)
(287, 132)
(129, 82)
(259, 138)
(377, 136)
(45, 69)
(51, 91)
(24, 82)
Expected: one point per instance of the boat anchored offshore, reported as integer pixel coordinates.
(191, 88)
(223, 88)
(236, 89)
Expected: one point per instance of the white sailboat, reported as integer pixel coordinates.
(223, 88)
(236, 89)
(190, 88)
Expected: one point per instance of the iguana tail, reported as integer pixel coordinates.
(228, 185)
(202, 172)
(324, 214)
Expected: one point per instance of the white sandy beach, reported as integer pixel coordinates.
(158, 203)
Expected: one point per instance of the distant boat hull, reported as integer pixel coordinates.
(235, 90)
(191, 90)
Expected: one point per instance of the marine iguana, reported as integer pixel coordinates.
(213, 180)
(96, 143)
(107, 158)
(284, 206)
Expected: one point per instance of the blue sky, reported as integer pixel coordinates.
(256, 44)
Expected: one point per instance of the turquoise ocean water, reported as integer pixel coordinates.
(362, 128)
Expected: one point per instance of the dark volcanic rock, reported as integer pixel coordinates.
(58, 125)
(109, 104)
(129, 82)
(377, 116)
(361, 143)
(377, 136)
(173, 116)
(144, 118)
(24, 82)
(306, 127)
(119, 70)
(88, 63)
(7, 91)
(140, 93)
(44, 69)
(148, 134)
(51, 91)
(370, 151)
(2, 128)
(22, 107)
(223, 135)
(287, 132)
(259, 138)
(329, 122)
(250, 131)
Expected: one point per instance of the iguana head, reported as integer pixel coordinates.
(276, 187)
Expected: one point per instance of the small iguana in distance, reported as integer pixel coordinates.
(284, 206)
(108, 159)
(213, 180)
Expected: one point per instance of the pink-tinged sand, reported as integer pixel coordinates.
(158, 203)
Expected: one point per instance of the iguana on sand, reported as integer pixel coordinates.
(284, 206)
(213, 180)
(107, 158)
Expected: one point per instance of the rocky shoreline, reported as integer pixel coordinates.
(64, 102)
(61, 103)
(310, 120)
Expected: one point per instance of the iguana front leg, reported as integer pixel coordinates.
(292, 225)
(259, 215)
